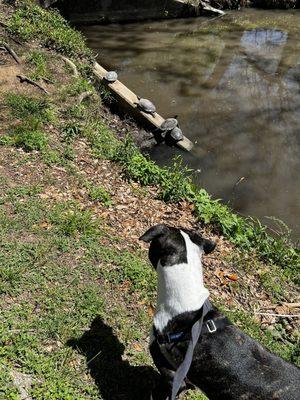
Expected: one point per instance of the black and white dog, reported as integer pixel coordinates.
(227, 364)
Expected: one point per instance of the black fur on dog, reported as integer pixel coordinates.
(227, 364)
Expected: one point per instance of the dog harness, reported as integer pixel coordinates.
(210, 326)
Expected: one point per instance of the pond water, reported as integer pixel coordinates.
(234, 83)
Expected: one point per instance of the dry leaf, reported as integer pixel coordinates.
(137, 347)
(232, 277)
(151, 310)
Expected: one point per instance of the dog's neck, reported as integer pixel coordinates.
(180, 287)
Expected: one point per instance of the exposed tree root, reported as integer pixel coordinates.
(24, 78)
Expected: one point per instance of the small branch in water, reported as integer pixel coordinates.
(84, 96)
(24, 78)
(71, 65)
(11, 52)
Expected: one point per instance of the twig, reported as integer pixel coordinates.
(11, 52)
(278, 315)
(24, 78)
(289, 305)
(93, 358)
(72, 65)
(47, 80)
(3, 24)
(84, 96)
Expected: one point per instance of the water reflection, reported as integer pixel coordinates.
(237, 94)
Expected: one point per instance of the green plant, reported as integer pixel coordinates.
(38, 61)
(31, 22)
(100, 194)
(71, 220)
(101, 139)
(77, 86)
(28, 138)
(70, 131)
(23, 106)
(175, 183)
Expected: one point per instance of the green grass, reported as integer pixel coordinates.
(29, 138)
(24, 106)
(31, 22)
(98, 193)
(38, 63)
(62, 269)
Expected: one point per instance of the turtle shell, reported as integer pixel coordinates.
(111, 76)
(176, 134)
(147, 106)
(169, 124)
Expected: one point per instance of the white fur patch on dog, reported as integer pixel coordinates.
(180, 287)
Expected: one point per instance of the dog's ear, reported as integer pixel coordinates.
(155, 231)
(208, 246)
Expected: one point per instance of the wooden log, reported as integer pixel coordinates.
(128, 100)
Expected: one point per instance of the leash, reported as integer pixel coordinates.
(197, 328)
(184, 367)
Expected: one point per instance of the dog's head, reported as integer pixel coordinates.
(170, 246)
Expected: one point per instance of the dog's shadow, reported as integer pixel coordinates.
(115, 378)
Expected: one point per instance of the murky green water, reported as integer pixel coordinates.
(235, 84)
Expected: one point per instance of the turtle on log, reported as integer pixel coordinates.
(146, 106)
(111, 76)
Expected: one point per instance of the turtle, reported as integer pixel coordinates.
(111, 76)
(169, 124)
(146, 105)
(176, 134)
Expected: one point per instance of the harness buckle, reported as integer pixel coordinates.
(211, 327)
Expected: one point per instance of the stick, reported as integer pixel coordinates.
(11, 52)
(72, 65)
(278, 315)
(289, 305)
(207, 7)
(47, 80)
(24, 78)
(3, 24)
(84, 96)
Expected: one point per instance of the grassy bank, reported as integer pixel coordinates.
(77, 292)
(31, 21)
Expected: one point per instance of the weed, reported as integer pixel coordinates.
(52, 157)
(100, 194)
(101, 139)
(6, 140)
(39, 63)
(23, 191)
(75, 111)
(70, 220)
(70, 131)
(77, 86)
(29, 139)
(23, 106)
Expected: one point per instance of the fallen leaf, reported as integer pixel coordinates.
(232, 277)
(151, 310)
(137, 347)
